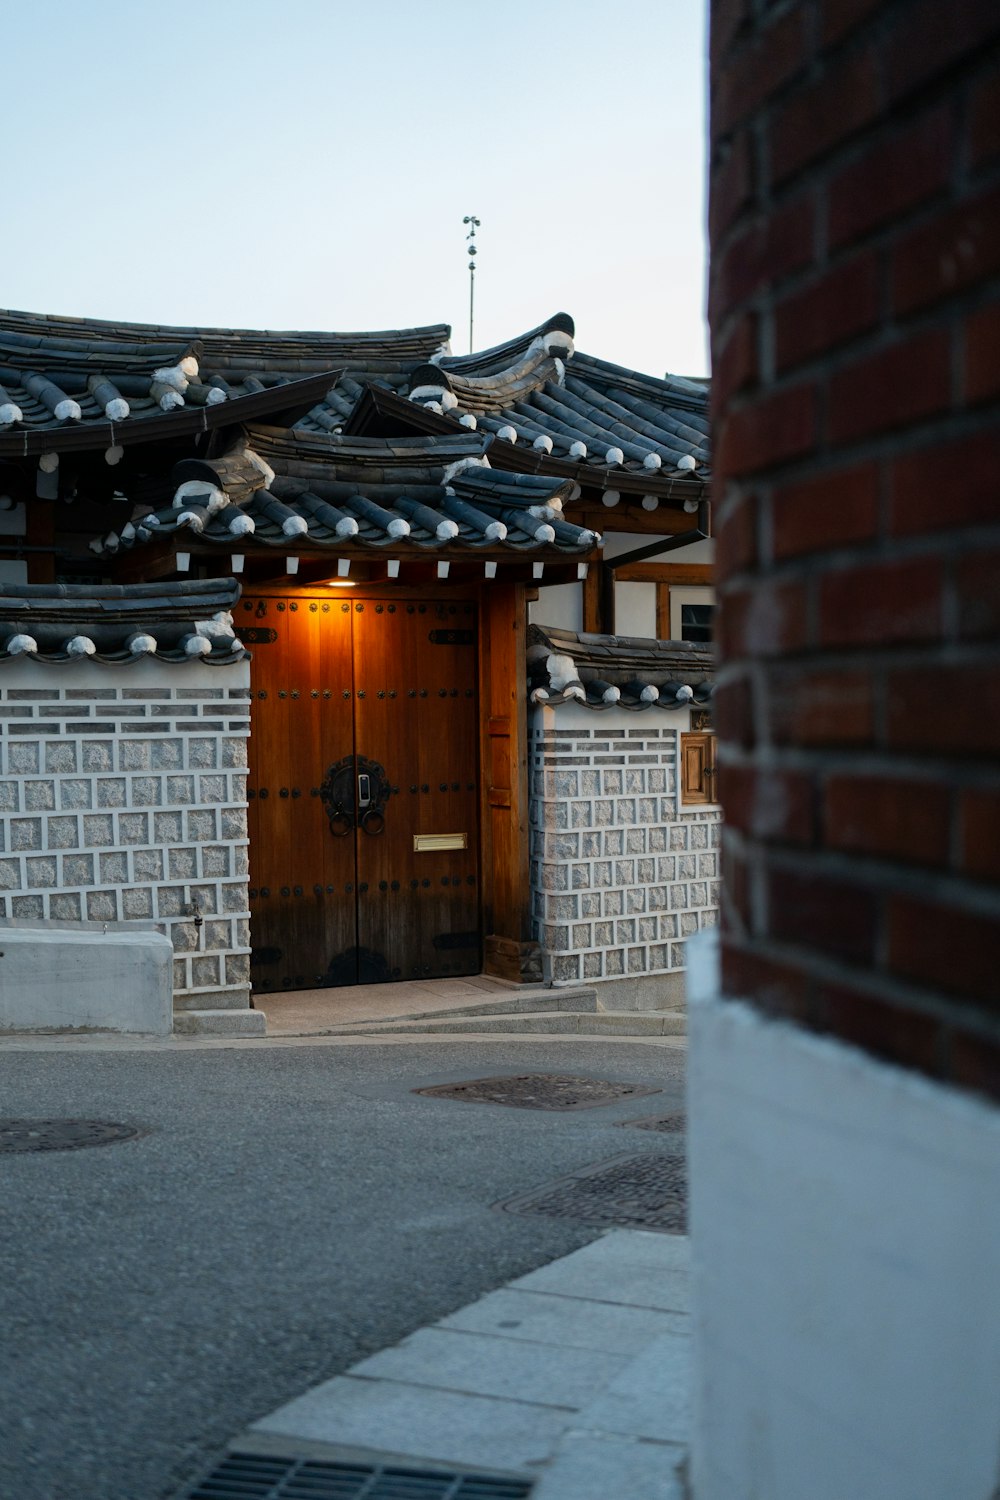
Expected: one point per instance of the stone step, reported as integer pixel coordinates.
(220, 1023)
(545, 1023)
(234, 999)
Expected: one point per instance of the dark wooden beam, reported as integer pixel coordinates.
(509, 950)
(668, 573)
(40, 532)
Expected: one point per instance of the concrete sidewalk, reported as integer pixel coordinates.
(574, 1378)
(477, 1005)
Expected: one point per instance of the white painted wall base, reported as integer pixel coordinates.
(641, 992)
(845, 1223)
(86, 975)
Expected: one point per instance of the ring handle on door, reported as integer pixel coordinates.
(370, 819)
(348, 792)
(341, 822)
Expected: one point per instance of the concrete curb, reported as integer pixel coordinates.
(575, 1376)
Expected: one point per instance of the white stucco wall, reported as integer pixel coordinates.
(845, 1223)
(560, 606)
(635, 610)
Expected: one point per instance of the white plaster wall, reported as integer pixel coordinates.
(560, 606)
(635, 610)
(696, 552)
(617, 542)
(845, 1223)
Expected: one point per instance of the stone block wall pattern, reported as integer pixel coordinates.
(123, 797)
(621, 874)
(854, 306)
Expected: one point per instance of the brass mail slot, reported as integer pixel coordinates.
(427, 843)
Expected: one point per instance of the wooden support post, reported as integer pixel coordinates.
(509, 951)
(592, 599)
(40, 531)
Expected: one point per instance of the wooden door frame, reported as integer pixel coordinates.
(509, 952)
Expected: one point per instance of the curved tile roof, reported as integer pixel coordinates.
(78, 383)
(540, 393)
(233, 351)
(555, 333)
(62, 378)
(605, 671)
(289, 488)
(120, 623)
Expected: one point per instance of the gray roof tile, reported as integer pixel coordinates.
(602, 671)
(120, 623)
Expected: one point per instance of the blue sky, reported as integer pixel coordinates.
(308, 163)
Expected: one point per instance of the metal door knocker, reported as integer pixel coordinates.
(355, 790)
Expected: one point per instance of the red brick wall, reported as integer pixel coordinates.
(855, 314)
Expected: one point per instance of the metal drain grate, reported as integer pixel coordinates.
(251, 1476)
(61, 1135)
(676, 1122)
(539, 1091)
(642, 1192)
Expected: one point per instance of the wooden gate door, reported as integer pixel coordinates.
(416, 717)
(362, 794)
(302, 861)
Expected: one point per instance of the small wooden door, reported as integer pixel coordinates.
(363, 789)
(698, 768)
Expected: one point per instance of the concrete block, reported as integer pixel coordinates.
(630, 1267)
(649, 1399)
(85, 975)
(491, 1366)
(220, 1023)
(237, 998)
(597, 1466)
(568, 1322)
(444, 1426)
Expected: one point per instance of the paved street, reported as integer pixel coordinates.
(291, 1209)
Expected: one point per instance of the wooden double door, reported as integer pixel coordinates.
(363, 789)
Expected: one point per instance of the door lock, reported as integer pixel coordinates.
(354, 797)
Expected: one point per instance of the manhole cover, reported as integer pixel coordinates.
(646, 1192)
(673, 1122)
(539, 1091)
(61, 1135)
(260, 1477)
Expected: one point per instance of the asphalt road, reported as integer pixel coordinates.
(288, 1210)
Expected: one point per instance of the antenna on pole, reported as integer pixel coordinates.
(473, 224)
